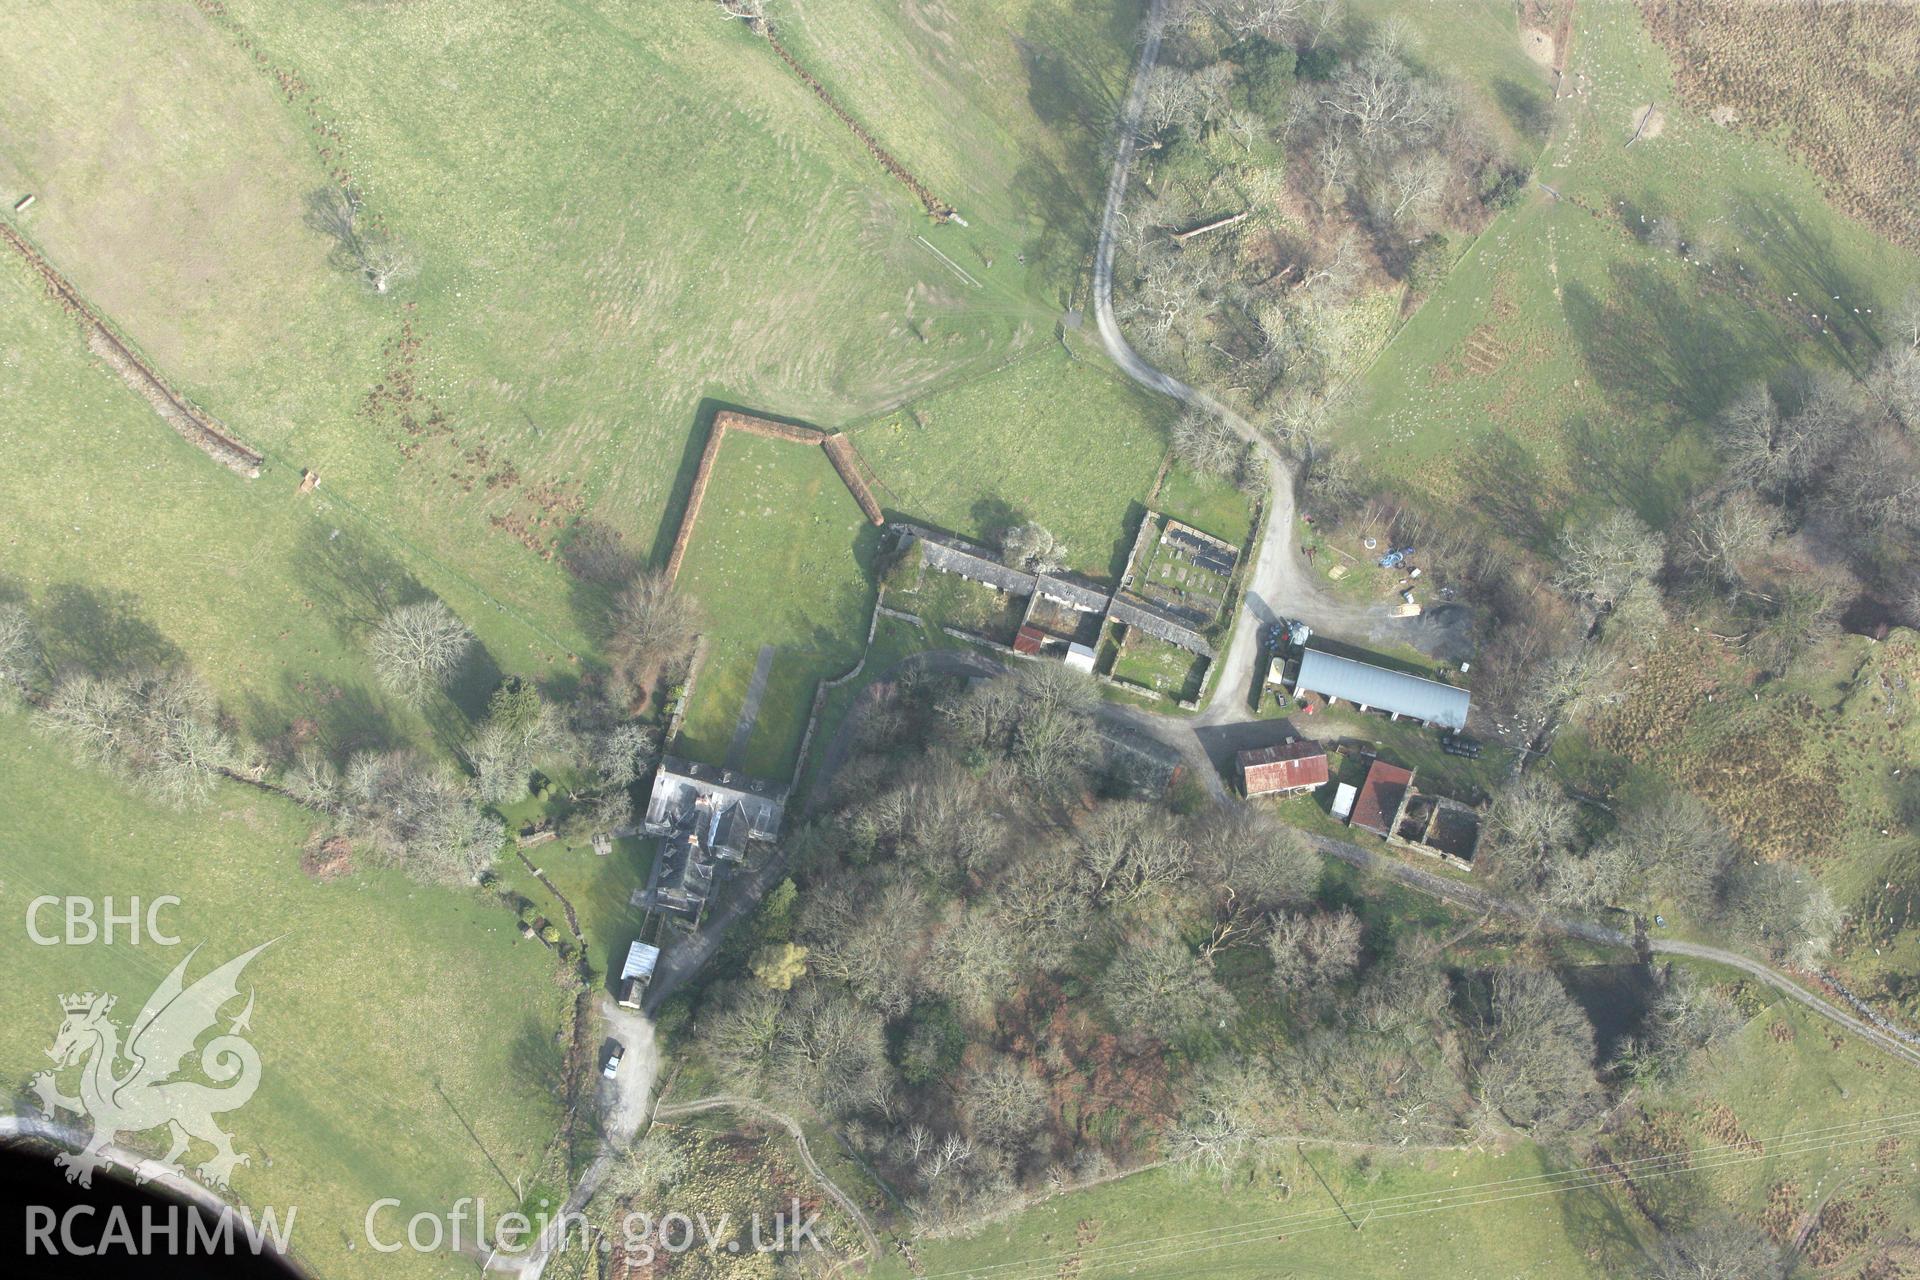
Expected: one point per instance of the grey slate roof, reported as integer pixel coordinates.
(1137, 613)
(1073, 594)
(1395, 691)
(684, 791)
(948, 558)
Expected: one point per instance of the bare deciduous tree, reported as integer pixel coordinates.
(1207, 444)
(1157, 990)
(1723, 1248)
(1004, 1104)
(157, 729)
(1532, 1055)
(417, 648)
(1126, 851)
(1782, 909)
(1605, 560)
(1311, 953)
(975, 963)
(1531, 827)
(1728, 532)
(619, 755)
(649, 623)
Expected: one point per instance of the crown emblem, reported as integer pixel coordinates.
(77, 1004)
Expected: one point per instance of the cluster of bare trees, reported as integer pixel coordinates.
(519, 728)
(158, 729)
(161, 729)
(1820, 502)
(416, 815)
(1285, 161)
(1669, 849)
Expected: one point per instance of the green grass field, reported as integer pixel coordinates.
(1205, 504)
(1569, 364)
(1069, 445)
(588, 276)
(781, 556)
(389, 1018)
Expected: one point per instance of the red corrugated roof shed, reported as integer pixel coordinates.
(1380, 796)
(1292, 766)
(1029, 640)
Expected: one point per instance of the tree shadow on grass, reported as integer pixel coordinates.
(1803, 255)
(539, 1060)
(1527, 107)
(100, 631)
(1662, 355)
(1505, 485)
(1077, 98)
(310, 713)
(463, 703)
(351, 581)
(993, 517)
(1621, 461)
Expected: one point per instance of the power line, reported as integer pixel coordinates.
(1580, 1177)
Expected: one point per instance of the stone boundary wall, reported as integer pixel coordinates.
(192, 425)
(841, 455)
(727, 420)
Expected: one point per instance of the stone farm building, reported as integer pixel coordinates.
(1283, 769)
(1393, 808)
(1380, 797)
(1372, 688)
(946, 554)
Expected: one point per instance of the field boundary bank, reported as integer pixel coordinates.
(840, 458)
(190, 423)
(937, 209)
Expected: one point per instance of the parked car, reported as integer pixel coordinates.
(612, 1068)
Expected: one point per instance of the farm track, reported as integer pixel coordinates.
(1279, 583)
(1279, 576)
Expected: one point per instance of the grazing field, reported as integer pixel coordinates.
(1069, 445)
(1850, 1184)
(406, 1034)
(1832, 85)
(552, 168)
(371, 997)
(1572, 358)
(1285, 1222)
(159, 556)
(781, 556)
